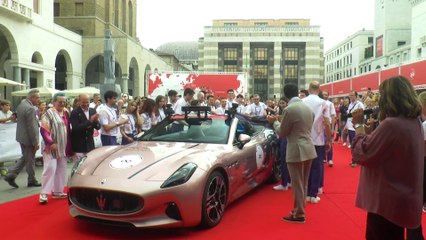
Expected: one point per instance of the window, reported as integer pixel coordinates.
(290, 71)
(79, 10)
(419, 52)
(230, 24)
(261, 24)
(291, 54)
(56, 9)
(261, 72)
(370, 40)
(261, 54)
(292, 23)
(230, 68)
(400, 43)
(230, 54)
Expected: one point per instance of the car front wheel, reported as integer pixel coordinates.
(214, 200)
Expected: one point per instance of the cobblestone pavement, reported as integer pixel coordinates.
(8, 193)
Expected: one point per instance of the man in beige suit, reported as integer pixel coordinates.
(296, 126)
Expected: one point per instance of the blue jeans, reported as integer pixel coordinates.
(317, 172)
(108, 140)
(285, 176)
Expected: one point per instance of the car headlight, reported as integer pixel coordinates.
(181, 176)
(77, 165)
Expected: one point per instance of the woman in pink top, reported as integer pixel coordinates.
(390, 184)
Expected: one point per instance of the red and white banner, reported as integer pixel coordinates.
(215, 84)
(415, 72)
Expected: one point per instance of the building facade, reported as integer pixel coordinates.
(271, 52)
(344, 59)
(90, 18)
(34, 50)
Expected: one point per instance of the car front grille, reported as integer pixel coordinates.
(104, 201)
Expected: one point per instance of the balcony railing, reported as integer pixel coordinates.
(16, 9)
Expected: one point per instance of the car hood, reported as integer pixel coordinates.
(146, 159)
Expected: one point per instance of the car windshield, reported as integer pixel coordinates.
(193, 130)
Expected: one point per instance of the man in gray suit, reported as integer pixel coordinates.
(27, 134)
(296, 126)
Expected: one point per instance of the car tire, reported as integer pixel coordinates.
(214, 200)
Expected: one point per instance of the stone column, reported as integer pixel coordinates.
(26, 76)
(17, 74)
(125, 83)
(277, 85)
(246, 68)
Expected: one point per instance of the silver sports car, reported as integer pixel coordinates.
(182, 172)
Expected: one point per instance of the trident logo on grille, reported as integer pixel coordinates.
(101, 201)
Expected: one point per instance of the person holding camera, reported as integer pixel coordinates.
(390, 186)
(353, 105)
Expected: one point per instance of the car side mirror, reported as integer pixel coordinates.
(243, 139)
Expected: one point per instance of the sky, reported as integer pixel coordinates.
(163, 21)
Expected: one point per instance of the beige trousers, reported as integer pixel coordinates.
(299, 174)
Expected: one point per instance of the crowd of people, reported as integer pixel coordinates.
(383, 129)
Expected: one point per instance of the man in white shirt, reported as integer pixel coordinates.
(241, 109)
(211, 104)
(230, 100)
(172, 94)
(109, 120)
(321, 125)
(201, 99)
(257, 108)
(96, 101)
(353, 105)
(188, 94)
(332, 112)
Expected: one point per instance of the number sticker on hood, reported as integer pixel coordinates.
(127, 161)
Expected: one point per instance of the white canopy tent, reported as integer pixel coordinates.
(44, 92)
(9, 83)
(78, 91)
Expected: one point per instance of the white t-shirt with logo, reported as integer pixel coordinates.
(108, 115)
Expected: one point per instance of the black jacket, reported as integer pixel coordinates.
(82, 130)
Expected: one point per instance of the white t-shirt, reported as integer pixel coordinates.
(130, 126)
(331, 108)
(179, 104)
(256, 110)
(108, 115)
(6, 115)
(162, 115)
(148, 121)
(319, 107)
(352, 106)
(220, 111)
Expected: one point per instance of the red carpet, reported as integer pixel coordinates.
(255, 216)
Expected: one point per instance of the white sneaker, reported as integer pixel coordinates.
(289, 185)
(42, 199)
(349, 146)
(280, 188)
(320, 191)
(315, 200)
(308, 199)
(330, 163)
(344, 144)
